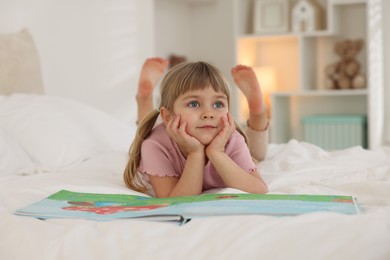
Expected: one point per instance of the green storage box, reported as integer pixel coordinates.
(334, 132)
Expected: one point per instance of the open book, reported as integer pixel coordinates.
(103, 207)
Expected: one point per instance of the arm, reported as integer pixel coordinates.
(234, 176)
(231, 173)
(191, 180)
(189, 183)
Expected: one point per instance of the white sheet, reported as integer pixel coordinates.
(293, 168)
(319, 235)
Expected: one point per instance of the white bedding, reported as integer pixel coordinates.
(38, 158)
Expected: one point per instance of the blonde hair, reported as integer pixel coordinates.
(180, 78)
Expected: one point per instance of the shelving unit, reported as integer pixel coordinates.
(299, 61)
(221, 31)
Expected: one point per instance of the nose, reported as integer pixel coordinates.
(207, 115)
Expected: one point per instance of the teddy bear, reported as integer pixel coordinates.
(176, 59)
(345, 74)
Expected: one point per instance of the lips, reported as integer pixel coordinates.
(207, 127)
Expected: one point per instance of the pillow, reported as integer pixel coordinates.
(57, 132)
(20, 69)
(14, 159)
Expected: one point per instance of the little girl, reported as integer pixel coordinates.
(197, 146)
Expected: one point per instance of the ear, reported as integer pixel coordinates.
(165, 115)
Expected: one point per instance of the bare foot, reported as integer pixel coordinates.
(245, 79)
(151, 72)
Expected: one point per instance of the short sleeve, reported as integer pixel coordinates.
(157, 160)
(238, 150)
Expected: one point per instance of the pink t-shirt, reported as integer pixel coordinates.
(160, 156)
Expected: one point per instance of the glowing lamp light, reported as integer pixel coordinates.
(266, 75)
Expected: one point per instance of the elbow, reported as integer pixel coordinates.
(258, 188)
(261, 189)
(265, 188)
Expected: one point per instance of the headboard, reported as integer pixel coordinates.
(20, 69)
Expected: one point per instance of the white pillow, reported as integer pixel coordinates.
(58, 132)
(14, 159)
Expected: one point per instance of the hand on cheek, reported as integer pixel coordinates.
(221, 139)
(176, 129)
(228, 127)
(230, 123)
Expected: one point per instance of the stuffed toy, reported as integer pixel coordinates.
(345, 74)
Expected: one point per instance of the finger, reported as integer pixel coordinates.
(230, 118)
(226, 124)
(225, 128)
(182, 129)
(172, 125)
(175, 123)
(231, 124)
(169, 123)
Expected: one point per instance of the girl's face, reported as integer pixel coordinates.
(203, 110)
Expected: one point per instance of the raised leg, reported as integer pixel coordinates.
(246, 80)
(152, 71)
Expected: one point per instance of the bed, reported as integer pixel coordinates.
(49, 143)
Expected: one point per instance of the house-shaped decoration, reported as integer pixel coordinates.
(306, 16)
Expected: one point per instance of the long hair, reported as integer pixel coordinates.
(180, 78)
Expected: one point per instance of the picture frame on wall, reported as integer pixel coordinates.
(271, 16)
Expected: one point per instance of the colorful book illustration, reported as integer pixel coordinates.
(104, 207)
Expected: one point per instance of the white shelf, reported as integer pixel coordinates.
(347, 2)
(290, 34)
(299, 60)
(221, 31)
(319, 93)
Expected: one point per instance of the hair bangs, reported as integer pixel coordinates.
(190, 76)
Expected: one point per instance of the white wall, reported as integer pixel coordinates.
(172, 23)
(199, 30)
(386, 45)
(90, 50)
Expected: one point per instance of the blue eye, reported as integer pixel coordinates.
(219, 104)
(193, 104)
